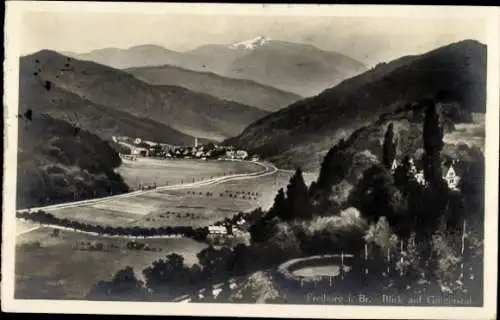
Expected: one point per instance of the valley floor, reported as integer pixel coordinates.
(146, 171)
(62, 266)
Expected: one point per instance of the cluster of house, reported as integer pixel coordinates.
(451, 177)
(240, 228)
(207, 152)
(141, 148)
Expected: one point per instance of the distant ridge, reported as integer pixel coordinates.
(292, 67)
(300, 134)
(243, 91)
(93, 87)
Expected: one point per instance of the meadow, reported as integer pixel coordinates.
(266, 187)
(195, 207)
(24, 226)
(63, 267)
(168, 172)
(472, 134)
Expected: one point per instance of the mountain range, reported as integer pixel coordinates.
(243, 91)
(301, 134)
(298, 68)
(112, 102)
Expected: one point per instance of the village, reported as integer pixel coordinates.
(132, 148)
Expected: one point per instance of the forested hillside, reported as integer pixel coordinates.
(58, 162)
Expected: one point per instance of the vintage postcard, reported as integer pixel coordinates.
(251, 160)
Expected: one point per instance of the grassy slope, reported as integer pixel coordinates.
(103, 121)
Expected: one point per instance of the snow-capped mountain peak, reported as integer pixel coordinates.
(250, 44)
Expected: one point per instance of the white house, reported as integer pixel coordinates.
(452, 178)
(394, 165)
(140, 152)
(216, 292)
(413, 168)
(150, 143)
(137, 140)
(419, 176)
(217, 229)
(199, 154)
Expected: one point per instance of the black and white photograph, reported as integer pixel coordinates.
(260, 160)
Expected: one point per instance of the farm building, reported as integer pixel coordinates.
(222, 230)
(128, 156)
(143, 152)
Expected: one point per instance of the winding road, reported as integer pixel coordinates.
(269, 169)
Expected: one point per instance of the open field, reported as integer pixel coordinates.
(24, 226)
(266, 187)
(472, 134)
(168, 172)
(63, 271)
(194, 207)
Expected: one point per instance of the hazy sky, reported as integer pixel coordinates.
(368, 39)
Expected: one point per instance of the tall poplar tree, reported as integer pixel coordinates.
(389, 147)
(334, 167)
(279, 206)
(297, 198)
(433, 145)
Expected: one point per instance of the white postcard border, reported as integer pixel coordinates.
(14, 10)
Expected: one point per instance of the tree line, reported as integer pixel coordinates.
(198, 234)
